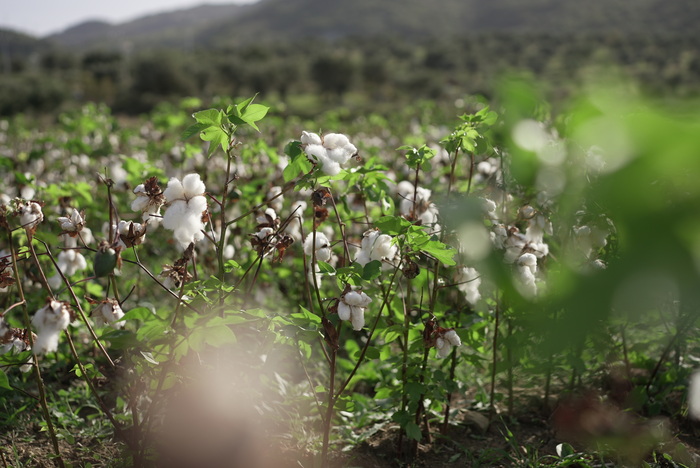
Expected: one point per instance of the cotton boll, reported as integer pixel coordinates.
(339, 155)
(525, 270)
(46, 341)
(335, 140)
(174, 214)
(317, 152)
(443, 347)
(193, 185)
(197, 204)
(330, 167)
(694, 395)
(343, 311)
(49, 321)
(140, 203)
(174, 190)
(452, 337)
(308, 138)
(323, 252)
(109, 312)
(468, 282)
(358, 318)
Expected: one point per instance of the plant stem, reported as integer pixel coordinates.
(73, 296)
(495, 356)
(35, 365)
(329, 410)
(509, 357)
(453, 367)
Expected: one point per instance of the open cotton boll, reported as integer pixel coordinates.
(174, 190)
(526, 269)
(197, 205)
(694, 395)
(30, 215)
(174, 214)
(317, 152)
(193, 185)
(322, 247)
(468, 282)
(352, 307)
(335, 140)
(453, 338)
(344, 311)
(358, 318)
(49, 321)
(108, 312)
(308, 138)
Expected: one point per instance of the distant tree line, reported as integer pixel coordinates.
(384, 70)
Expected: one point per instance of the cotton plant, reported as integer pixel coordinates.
(445, 342)
(442, 339)
(375, 246)
(69, 261)
(186, 206)
(352, 306)
(275, 192)
(73, 223)
(49, 322)
(415, 205)
(12, 339)
(330, 152)
(30, 214)
(526, 275)
(149, 200)
(537, 226)
(108, 312)
(468, 281)
(294, 226)
(321, 249)
(130, 234)
(6, 271)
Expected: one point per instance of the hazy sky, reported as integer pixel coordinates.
(42, 17)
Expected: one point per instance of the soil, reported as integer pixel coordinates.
(473, 439)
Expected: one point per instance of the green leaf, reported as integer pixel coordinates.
(324, 267)
(392, 225)
(216, 136)
(372, 270)
(440, 251)
(231, 265)
(194, 129)
(210, 117)
(372, 353)
(413, 431)
(4, 382)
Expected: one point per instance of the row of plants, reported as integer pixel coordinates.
(233, 281)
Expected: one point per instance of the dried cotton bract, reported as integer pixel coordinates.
(149, 200)
(186, 206)
(330, 151)
(49, 322)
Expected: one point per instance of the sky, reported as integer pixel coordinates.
(43, 17)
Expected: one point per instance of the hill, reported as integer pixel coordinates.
(283, 20)
(15, 44)
(170, 29)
